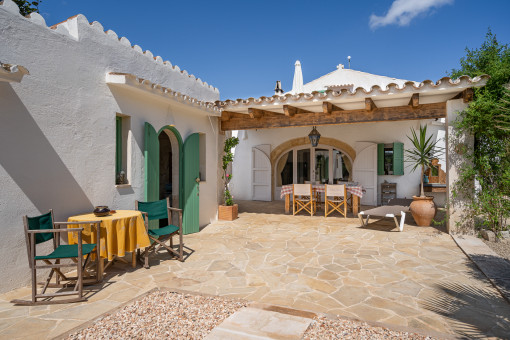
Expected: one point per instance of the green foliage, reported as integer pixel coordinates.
(228, 157)
(425, 149)
(27, 7)
(487, 119)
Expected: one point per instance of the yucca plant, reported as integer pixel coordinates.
(425, 149)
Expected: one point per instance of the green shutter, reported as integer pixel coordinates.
(151, 154)
(398, 159)
(118, 145)
(380, 159)
(191, 159)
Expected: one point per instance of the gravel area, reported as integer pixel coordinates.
(324, 328)
(163, 315)
(502, 247)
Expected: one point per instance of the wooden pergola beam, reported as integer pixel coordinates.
(466, 95)
(273, 120)
(258, 113)
(415, 100)
(292, 110)
(370, 105)
(328, 108)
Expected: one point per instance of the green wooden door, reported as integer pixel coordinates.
(151, 154)
(191, 160)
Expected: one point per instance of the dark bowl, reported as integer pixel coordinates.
(101, 211)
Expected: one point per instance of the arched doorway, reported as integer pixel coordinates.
(169, 166)
(306, 164)
(183, 164)
(296, 161)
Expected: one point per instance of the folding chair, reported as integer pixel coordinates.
(40, 229)
(303, 199)
(339, 201)
(156, 211)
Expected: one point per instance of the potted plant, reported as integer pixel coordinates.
(425, 149)
(228, 211)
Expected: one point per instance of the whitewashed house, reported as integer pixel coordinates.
(363, 119)
(78, 105)
(87, 118)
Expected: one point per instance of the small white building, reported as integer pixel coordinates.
(84, 105)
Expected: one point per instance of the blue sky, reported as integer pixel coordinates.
(243, 47)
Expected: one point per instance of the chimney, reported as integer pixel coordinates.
(278, 89)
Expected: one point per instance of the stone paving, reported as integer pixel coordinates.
(418, 278)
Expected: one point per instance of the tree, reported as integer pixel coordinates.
(487, 119)
(27, 7)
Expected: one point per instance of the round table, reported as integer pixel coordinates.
(120, 232)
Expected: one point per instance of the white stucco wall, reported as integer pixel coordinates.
(383, 132)
(57, 127)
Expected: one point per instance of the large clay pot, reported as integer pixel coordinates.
(423, 210)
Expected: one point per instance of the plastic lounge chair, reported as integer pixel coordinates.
(396, 208)
(40, 229)
(156, 211)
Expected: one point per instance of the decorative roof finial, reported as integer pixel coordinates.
(297, 84)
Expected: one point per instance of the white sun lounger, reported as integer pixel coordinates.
(395, 208)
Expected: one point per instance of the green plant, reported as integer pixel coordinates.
(484, 176)
(424, 150)
(228, 157)
(27, 7)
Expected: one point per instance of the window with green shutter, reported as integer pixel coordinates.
(118, 145)
(390, 159)
(122, 131)
(398, 159)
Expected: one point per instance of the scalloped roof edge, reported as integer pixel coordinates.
(375, 90)
(36, 18)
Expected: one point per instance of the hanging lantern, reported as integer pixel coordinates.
(314, 137)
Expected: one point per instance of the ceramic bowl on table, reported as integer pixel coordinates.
(101, 211)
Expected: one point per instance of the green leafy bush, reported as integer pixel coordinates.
(228, 157)
(484, 179)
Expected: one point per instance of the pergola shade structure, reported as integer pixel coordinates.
(427, 100)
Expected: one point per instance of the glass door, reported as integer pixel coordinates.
(321, 165)
(303, 166)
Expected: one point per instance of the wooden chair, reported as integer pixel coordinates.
(303, 199)
(40, 229)
(156, 211)
(339, 202)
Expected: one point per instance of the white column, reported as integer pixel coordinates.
(455, 159)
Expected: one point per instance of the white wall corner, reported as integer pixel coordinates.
(456, 148)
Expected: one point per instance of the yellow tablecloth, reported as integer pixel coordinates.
(120, 232)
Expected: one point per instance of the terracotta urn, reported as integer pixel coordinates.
(227, 212)
(423, 210)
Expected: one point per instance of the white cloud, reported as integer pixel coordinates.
(402, 12)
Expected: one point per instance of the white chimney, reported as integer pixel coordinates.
(297, 84)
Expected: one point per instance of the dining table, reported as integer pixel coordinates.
(121, 231)
(354, 189)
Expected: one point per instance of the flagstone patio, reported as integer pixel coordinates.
(418, 278)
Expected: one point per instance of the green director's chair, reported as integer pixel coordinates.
(159, 210)
(40, 229)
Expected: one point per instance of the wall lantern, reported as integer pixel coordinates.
(314, 137)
